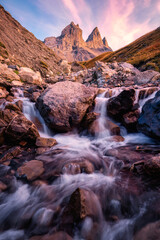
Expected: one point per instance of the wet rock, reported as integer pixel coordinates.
(32, 169)
(83, 203)
(89, 118)
(29, 76)
(150, 232)
(10, 154)
(45, 142)
(43, 217)
(3, 186)
(41, 150)
(78, 167)
(3, 92)
(35, 96)
(149, 120)
(56, 236)
(112, 127)
(21, 129)
(152, 166)
(120, 105)
(130, 120)
(7, 73)
(13, 106)
(117, 139)
(64, 105)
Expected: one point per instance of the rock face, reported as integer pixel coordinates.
(71, 46)
(7, 73)
(149, 121)
(149, 232)
(22, 48)
(64, 105)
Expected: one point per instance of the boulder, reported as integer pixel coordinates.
(35, 96)
(21, 129)
(32, 169)
(83, 203)
(29, 76)
(7, 73)
(65, 104)
(149, 120)
(150, 232)
(45, 142)
(123, 103)
(130, 120)
(147, 76)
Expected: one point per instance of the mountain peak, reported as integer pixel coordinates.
(105, 42)
(94, 39)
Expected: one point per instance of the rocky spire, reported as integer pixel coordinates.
(105, 42)
(94, 40)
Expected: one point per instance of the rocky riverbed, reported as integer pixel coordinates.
(77, 161)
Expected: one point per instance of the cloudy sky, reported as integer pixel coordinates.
(121, 21)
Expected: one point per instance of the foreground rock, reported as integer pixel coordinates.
(64, 105)
(18, 127)
(149, 121)
(45, 142)
(149, 232)
(56, 236)
(32, 170)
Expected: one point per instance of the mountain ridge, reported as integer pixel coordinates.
(70, 44)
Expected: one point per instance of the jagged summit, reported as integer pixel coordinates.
(70, 44)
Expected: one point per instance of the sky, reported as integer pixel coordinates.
(120, 21)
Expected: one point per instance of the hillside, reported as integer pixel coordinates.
(143, 53)
(23, 48)
(71, 46)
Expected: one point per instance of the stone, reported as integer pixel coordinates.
(10, 154)
(78, 167)
(64, 105)
(13, 107)
(35, 96)
(113, 128)
(150, 232)
(83, 203)
(149, 120)
(17, 83)
(7, 73)
(21, 129)
(32, 169)
(3, 92)
(123, 103)
(29, 76)
(130, 120)
(152, 166)
(45, 142)
(3, 186)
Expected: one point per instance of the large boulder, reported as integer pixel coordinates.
(149, 120)
(65, 104)
(120, 105)
(7, 73)
(29, 76)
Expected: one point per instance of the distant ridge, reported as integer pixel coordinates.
(143, 53)
(71, 46)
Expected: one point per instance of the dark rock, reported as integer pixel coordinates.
(149, 120)
(152, 166)
(150, 232)
(123, 103)
(10, 154)
(65, 104)
(130, 120)
(56, 236)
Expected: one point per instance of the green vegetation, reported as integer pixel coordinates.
(44, 65)
(16, 71)
(144, 53)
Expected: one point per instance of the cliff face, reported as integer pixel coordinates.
(23, 48)
(71, 46)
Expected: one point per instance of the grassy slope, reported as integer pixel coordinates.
(143, 53)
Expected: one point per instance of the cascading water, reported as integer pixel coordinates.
(119, 210)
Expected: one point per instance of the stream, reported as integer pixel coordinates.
(119, 208)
